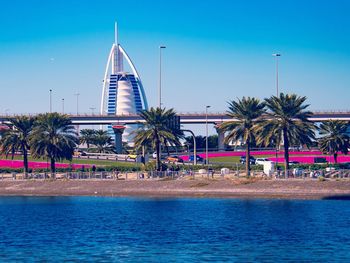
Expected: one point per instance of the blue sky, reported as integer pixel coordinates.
(216, 51)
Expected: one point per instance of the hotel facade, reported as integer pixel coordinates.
(122, 92)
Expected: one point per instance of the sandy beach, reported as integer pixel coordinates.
(231, 188)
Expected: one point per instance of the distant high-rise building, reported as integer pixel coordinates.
(122, 92)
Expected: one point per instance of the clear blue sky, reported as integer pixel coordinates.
(216, 51)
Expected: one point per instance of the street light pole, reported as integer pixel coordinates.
(50, 100)
(276, 55)
(206, 133)
(160, 77)
(194, 149)
(194, 146)
(62, 106)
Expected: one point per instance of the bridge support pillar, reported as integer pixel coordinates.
(118, 132)
(221, 137)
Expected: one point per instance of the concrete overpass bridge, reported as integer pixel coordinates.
(185, 118)
(191, 118)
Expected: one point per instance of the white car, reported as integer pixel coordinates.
(163, 155)
(261, 161)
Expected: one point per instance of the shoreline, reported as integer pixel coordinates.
(195, 188)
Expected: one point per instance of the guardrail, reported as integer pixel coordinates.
(188, 113)
(130, 175)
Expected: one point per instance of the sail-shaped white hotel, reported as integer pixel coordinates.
(122, 92)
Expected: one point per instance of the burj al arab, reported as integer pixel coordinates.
(122, 92)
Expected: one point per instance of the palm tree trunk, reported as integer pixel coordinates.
(167, 149)
(247, 158)
(335, 155)
(158, 166)
(286, 153)
(53, 167)
(25, 162)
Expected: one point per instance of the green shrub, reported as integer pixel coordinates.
(120, 168)
(321, 179)
(151, 166)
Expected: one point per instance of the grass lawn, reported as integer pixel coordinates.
(104, 162)
(225, 159)
(233, 159)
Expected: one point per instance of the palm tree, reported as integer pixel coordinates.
(335, 139)
(102, 141)
(178, 134)
(286, 121)
(157, 131)
(17, 138)
(200, 142)
(53, 137)
(87, 136)
(245, 114)
(213, 141)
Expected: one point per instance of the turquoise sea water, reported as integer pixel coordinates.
(173, 230)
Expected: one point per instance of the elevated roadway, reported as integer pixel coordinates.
(185, 118)
(191, 118)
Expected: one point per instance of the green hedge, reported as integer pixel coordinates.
(151, 166)
(30, 170)
(322, 166)
(117, 168)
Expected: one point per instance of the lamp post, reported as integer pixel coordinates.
(206, 134)
(276, 55)
(62, 106)
(188, 150)
(50, 100)
(194, 146)
(160, 76)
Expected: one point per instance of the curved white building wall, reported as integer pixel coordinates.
(126, 105)
(125, 98)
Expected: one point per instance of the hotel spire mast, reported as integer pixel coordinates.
(115, 59)
(116, 33)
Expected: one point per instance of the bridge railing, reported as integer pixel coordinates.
(295, 173)
(189, 113)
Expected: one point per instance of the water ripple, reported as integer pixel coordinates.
(108, 229)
